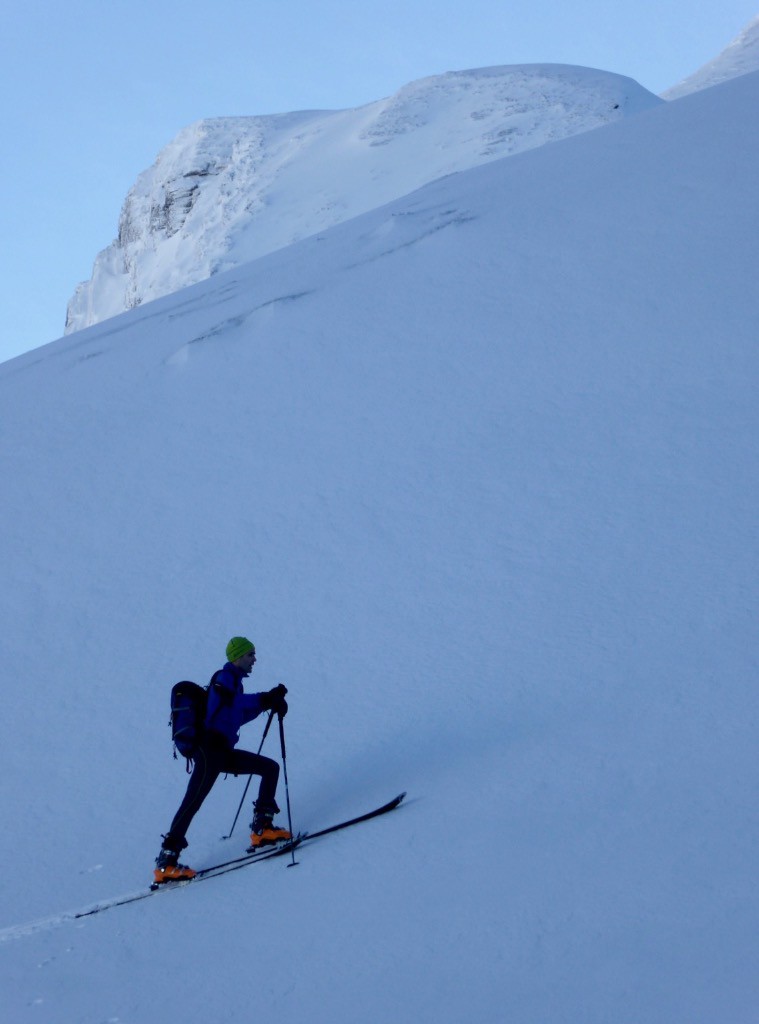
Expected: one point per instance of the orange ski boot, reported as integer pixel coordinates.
(169, 870)
(264, 831)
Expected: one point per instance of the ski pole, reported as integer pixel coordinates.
(245, 793)
(293, 862)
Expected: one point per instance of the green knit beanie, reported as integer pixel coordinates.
(238, 646)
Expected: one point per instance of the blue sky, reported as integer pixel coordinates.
(92, 91)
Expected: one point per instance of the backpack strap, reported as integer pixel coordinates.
(225, 696)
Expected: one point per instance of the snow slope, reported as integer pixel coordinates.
(228, 190)
(741, 57)
(478, 472)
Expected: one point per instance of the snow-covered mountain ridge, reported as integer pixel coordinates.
(228, 190)
(740, 57)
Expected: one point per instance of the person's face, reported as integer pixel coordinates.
(246, 662)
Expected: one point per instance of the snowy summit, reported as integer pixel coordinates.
(229, 190)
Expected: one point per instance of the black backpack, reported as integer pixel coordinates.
(189, 703)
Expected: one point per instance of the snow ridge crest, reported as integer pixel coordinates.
(228, 190)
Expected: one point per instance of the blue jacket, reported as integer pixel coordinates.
(229, 707)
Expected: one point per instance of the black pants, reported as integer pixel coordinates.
(213, 758)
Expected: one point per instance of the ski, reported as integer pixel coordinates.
(263, 853)
(210, 872)
(252, 853)
(215, 870)
(389, 806)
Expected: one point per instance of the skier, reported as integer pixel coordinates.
(229, 707)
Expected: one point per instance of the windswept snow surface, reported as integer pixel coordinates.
(229, 190)
(478, 471)
(741, 57)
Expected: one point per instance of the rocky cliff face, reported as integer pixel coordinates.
(228, 190)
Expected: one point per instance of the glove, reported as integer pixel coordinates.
(274, 700)
(278, 702)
